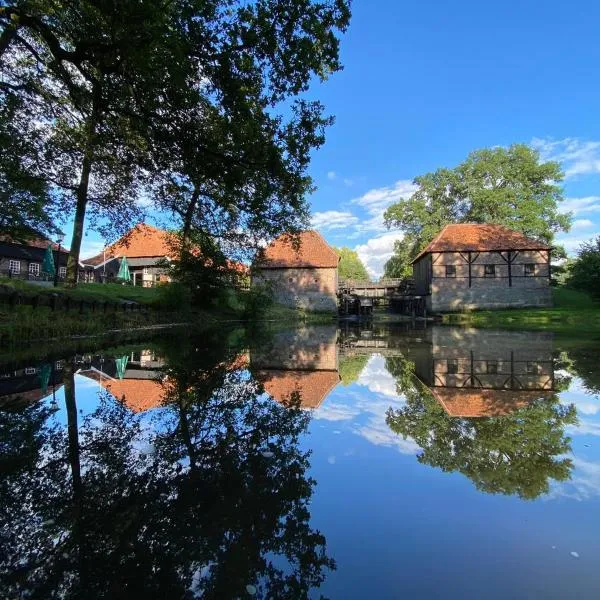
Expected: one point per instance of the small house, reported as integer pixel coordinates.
(147, 250)
(473, 266)
(302, 271)
(24, 260)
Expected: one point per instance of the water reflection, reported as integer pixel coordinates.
(484, 403)
(166, 470)
(205, 497)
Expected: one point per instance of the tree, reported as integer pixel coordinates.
(585, 271)
(190, 100)
(351, 367)
(504, 186)
(514, 454)
(351, 267)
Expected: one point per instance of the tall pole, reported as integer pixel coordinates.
(57, 266)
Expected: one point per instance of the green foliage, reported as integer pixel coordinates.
(174, 297)
(585, 271)
(193, 104)
(505, 186)
(350, 266)
(518, 454)
(351, 367)
(257, 302)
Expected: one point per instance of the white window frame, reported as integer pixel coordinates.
(30, 370)
(62, 271)
(14, 266)
(531, 273)
(34, 269)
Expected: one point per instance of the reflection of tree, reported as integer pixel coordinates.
(514, 454)
(351, 367)
(202, 498)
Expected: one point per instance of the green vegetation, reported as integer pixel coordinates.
(351, 267)
(573, 313)
(504, 186)
(584, 273)
(351, 367)
(86, 88)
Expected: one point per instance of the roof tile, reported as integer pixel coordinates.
(465, 237)
(312, 251)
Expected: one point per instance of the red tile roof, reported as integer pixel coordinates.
(312, 251)
(460, 402)
(140, 242)
(465, 237)
(312, 386)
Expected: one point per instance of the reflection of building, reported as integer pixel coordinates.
(477, 373)
(302, 362)
(303, 275)
(135, 379)
(24, 386)
(483, 266)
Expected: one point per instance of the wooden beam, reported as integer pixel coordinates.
(470, 261)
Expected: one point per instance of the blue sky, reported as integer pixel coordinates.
(427, 82)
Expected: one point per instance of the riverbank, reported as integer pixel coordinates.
(572, 313)
(31, 319)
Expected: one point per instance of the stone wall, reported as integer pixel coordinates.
(454, 293)
(312, 289)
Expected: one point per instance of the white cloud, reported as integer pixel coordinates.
(348, 182)
(577, 206)
(331, 175)
(333, 219)
(377, 251)
(578, 157)
(582, 224)
(572, 243)
(336, 411)
(375, 201)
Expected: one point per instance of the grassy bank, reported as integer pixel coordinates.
(573, 313)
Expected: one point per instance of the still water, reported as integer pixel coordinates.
(339, 461)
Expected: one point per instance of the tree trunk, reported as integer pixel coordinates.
(82, 188)
(189, 214)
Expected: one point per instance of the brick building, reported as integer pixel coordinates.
(303, 274)
(472, 266)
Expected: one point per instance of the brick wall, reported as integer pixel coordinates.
(454, 293)
(311, 289)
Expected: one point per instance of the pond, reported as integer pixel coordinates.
(347, 461)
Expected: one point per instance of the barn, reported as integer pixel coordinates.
(475, 266)
(302, 271)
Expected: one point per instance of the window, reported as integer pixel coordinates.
(146, 270)
(62, 271)
(490, 270)
(529, 270)
(30, 370)
(491, 367)
(34, 269)
(450, 271)
(14, 266)
(534, 368)
(452, 366)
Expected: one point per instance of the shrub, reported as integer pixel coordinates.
(174, 297)
(585, 272)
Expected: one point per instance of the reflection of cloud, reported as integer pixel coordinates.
(584, 427)
(584, 483)
(585, 402)
(334, 411)
(377, 432)
(377, 378)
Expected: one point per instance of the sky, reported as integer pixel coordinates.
(425, 83)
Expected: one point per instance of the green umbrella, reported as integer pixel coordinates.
(48, 264)
(121, 365)
(45, 372)
(124, 273)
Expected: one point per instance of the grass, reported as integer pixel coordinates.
(113, 292)
(572, 313)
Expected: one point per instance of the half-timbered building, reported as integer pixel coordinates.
(472, 266)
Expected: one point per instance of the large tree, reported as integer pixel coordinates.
(504, 186)
(189, 99)
(585, 271)
(351, 267)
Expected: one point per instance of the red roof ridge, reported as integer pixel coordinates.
(500, 237)
(313, 252)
